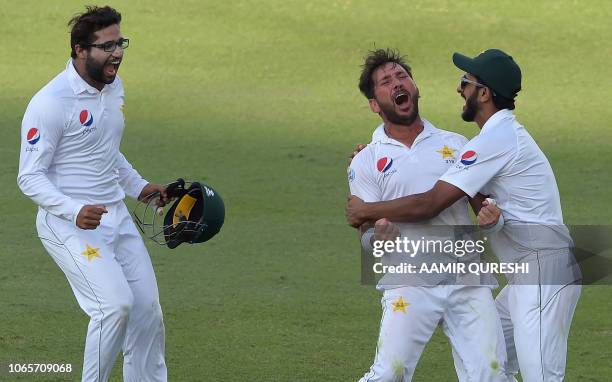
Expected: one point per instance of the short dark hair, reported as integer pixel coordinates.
(372, 61)
(84, 25)
(499, 101)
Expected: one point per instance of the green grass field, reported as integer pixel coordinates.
(260, 100)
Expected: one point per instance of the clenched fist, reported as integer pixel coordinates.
(90, 215)
(151, 190)
(488, 214)
(384, 230)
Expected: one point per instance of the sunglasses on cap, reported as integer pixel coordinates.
(464, 81)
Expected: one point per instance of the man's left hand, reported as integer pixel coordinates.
(355, 211)
(151, 189)
(358, 148)
(489, 214)
(384, 230)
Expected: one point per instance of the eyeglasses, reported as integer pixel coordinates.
(464, 81)
(111, 45)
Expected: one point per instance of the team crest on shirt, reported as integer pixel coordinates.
(86, 118)
(469, 157)
(448, 154)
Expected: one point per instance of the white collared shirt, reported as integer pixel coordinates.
(387, 169)
(505, 162)
(71, 134)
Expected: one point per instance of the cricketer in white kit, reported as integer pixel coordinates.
(407, 155)
(505, 162)
(71, 167)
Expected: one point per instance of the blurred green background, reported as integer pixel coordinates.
(260, 100)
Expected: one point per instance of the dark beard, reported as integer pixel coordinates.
(471, 108)
(393, 117)
(95, 71)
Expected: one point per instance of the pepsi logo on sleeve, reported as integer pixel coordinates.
(33, 136)
(469, 157)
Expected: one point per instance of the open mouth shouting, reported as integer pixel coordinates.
(402, 99)
(111, 67)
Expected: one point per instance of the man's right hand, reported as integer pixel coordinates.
(358, 148)
(90, 215)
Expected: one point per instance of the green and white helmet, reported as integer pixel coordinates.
(196, 215)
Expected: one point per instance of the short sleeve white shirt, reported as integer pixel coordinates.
(387, 169)
(505, 162)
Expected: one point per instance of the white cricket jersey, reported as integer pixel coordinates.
(505, 162)
(387, 169)
(70, 155)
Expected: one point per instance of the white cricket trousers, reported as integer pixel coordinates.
(468, 318)
(111, 275)
(536, 320)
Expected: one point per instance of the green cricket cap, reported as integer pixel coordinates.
(494, 68)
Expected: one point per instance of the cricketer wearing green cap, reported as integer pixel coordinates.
(495, 68)
(504, 162)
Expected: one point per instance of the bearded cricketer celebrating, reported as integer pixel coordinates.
(407, 155)
(505, 162)
(71, 167)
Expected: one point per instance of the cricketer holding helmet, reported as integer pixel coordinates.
(71, 167)
(505, 162)
(407, 155)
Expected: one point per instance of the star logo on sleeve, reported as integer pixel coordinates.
(447, 152)
(91, 253)
(400, 305)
